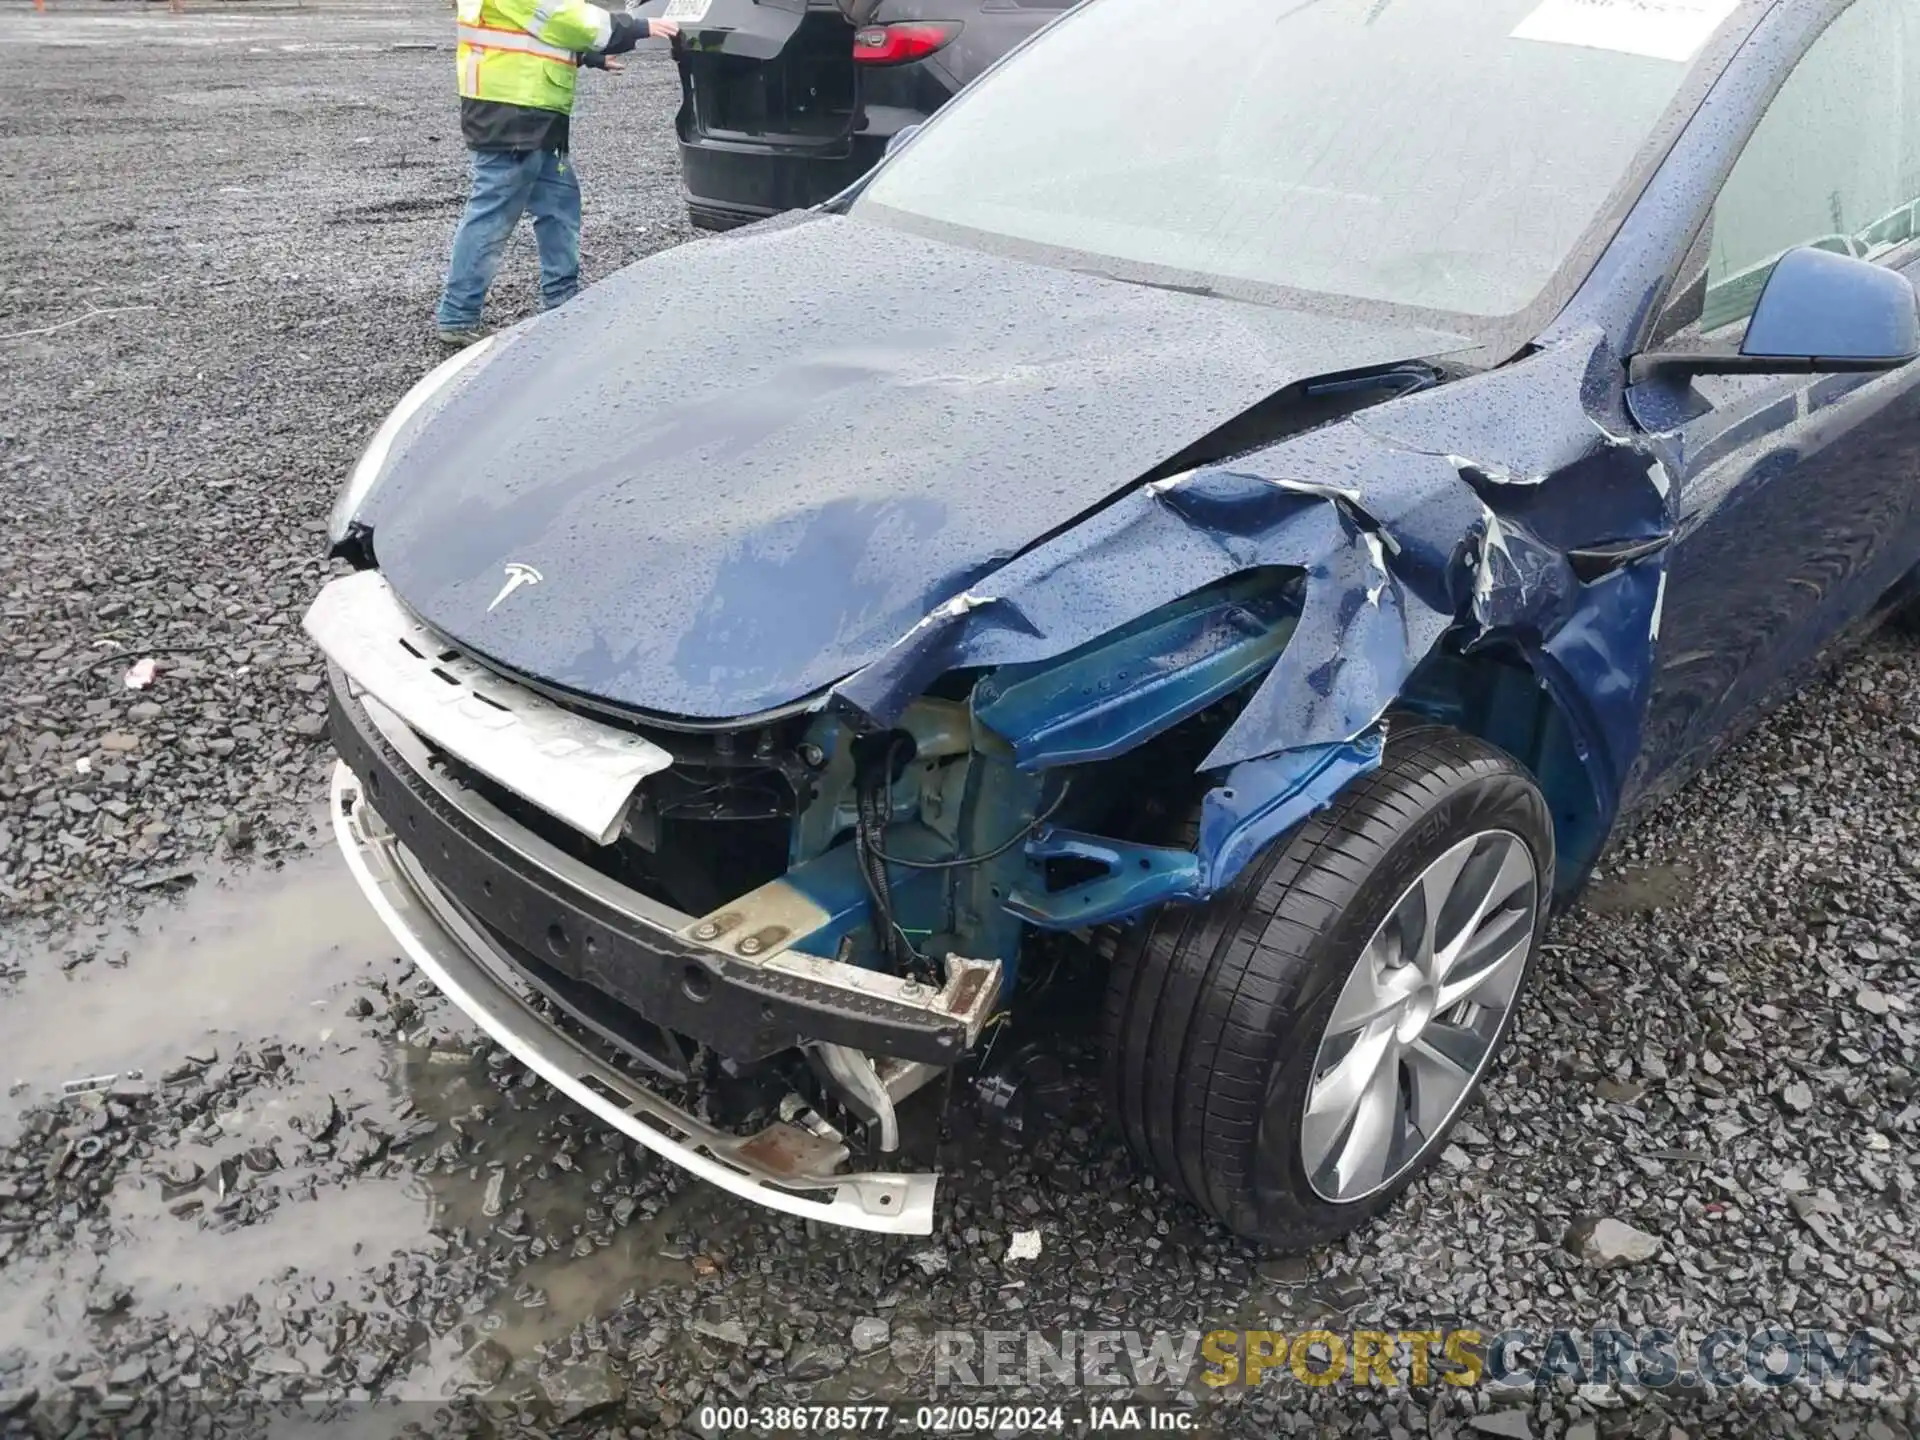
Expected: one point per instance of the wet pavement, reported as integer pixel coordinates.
(258, 1170)
(316, 1116)
(269, 1165)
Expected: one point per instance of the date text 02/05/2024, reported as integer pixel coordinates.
(944, 1419)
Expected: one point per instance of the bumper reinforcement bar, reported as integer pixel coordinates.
(783, 1166)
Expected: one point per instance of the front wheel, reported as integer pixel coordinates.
(1292, 1054)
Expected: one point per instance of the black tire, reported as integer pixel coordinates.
(1215, 1012)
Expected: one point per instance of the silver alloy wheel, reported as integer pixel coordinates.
(1416, 1021)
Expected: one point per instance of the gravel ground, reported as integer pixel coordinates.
(306, 1181)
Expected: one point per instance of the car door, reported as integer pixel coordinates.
(1795, 494)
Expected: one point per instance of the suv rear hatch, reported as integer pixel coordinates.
(773, 72)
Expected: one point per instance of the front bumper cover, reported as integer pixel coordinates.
(740, 980)
(783, 1166)
(495, 913)
(637, 952)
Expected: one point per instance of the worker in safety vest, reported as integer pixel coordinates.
(517, 61)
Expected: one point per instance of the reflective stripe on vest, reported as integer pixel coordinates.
(545, 10)
(516, 42)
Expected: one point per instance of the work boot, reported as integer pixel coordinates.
(465, 335)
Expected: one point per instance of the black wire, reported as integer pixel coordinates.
(872, 813)
(872, 804)
(985, 855)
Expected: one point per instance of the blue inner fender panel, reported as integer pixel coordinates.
(1107, 697)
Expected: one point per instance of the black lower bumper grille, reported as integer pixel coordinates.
(743, 1012)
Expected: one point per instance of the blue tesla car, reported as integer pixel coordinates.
(1240, 506)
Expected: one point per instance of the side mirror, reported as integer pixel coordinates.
(1820, 313)
(900, 137)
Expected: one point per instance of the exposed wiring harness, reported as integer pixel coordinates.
(873, 804)
(873, 812)
(959, 860)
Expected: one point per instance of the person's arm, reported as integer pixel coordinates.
(628, 31)
(651, 29)
(577, 25)
(643, 30)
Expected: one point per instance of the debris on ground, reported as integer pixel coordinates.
(1604, 1243)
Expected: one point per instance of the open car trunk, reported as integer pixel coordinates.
(769, 71)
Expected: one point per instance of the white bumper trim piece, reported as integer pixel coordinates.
(783, 1166)
(578, 770)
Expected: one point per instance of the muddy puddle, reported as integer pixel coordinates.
(260, 955)
(268, 1134)
(271, 1164)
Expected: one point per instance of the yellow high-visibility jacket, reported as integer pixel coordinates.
(526, 52)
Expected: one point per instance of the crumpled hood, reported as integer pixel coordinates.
(744, 467)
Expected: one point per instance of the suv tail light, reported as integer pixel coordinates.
(899, 43)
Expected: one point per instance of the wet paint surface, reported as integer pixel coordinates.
(752, 464)
(884, 458)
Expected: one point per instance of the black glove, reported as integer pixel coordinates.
(628, 31)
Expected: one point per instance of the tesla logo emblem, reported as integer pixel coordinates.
(517, 575)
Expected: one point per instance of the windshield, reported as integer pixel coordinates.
(1441, 154)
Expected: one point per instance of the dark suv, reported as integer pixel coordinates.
(784, 103)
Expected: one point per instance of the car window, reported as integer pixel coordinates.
(1835, 163)
(1442, 155)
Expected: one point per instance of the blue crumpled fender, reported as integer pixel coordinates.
(1451, 510)
(1547, 444)
(1373, 604)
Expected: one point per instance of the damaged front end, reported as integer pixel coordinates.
(765, 933)
(765, 936)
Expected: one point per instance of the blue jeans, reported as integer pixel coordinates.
(506, 183)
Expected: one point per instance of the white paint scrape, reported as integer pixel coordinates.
(1377, 552)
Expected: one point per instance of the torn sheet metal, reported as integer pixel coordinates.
(1520, 586)
(1361, 634)
(1401, 539)
(1518, 424)
(1587, 641)
(1559, 414)
(1379, 533)
(1361, 630)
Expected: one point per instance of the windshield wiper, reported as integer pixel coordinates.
(1205, 291)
